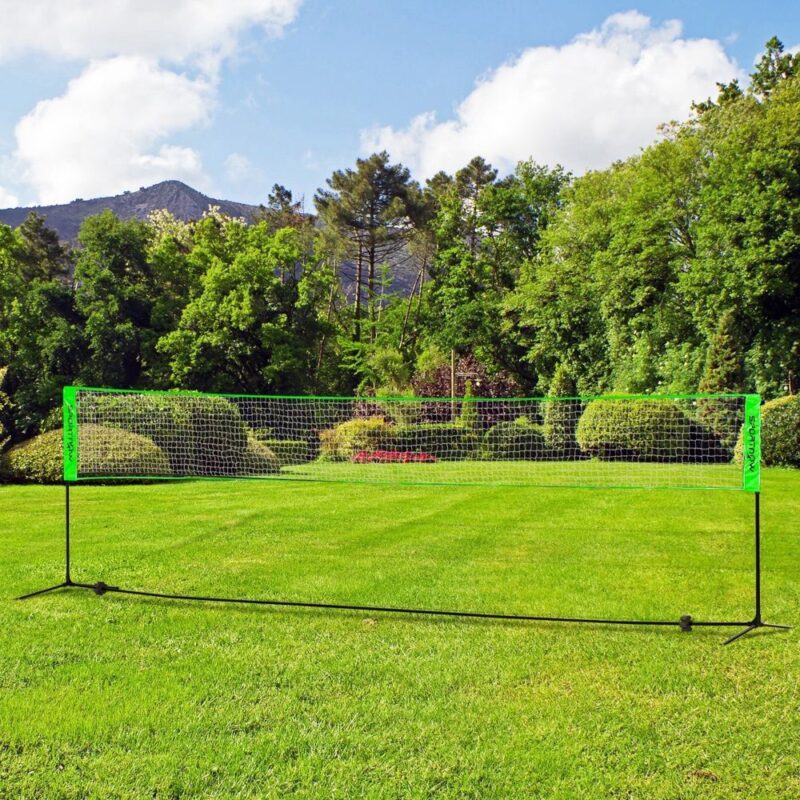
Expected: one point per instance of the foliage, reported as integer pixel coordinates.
(515, 441)
(433, 378)
(178, 427)
(447, 441)
(723, 373)
(780, 433)
(5, 409)
(258, 458)
(645, 430)
(675, 270)
(253, 326)
(288, 451)
(561, 418)
(41, 460)
(343, 441)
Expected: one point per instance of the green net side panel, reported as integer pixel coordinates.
(701, 441)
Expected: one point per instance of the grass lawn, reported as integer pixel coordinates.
(124, 697)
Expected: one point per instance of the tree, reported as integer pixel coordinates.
(49, 349)
(5, 411)
(556, 302)
(723, 373)
(40, 332)
(371, 212)
(114, 292)
(748, 236)
(282, 211)
(248, 330)
(774, 67)
(724, 367)
(41, 253)
(561, 418)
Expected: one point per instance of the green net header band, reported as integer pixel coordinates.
(625, 441)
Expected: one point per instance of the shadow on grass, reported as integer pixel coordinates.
(450, 619)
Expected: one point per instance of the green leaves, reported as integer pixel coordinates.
(253, 324)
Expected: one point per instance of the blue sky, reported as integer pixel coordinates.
(234, 97)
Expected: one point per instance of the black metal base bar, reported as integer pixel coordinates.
(685, 622)
(62, 585)
(755, 626)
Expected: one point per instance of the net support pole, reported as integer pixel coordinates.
(751, 456)
(67, 577)
(67, 582)
(70, 418)
(758, 620)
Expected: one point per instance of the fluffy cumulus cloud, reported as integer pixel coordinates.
(179, 30)
(583, 105)
(148, 71)
(103, 134)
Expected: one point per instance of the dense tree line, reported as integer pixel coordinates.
(676, 270)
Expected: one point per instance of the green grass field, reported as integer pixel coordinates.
(124, 697)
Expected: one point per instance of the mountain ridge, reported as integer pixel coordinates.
(175, 196)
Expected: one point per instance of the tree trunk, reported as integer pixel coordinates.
(359, 279)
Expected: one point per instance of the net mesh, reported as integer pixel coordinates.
(637, 442)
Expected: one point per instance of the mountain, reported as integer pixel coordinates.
(183, 201)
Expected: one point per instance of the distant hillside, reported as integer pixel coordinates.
(183, 201)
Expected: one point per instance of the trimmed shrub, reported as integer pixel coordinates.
(648, 430)
(204, 435)
(258, 458)
(447, 441)
(343, 441)
(289, 451)
(515, 441)
(780, 433)
(40, 459)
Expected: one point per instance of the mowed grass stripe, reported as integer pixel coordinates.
(122, 697)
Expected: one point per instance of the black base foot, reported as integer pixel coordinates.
(63, 585)
(754, 626)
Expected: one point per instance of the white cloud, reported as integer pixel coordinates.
(583, 105)
(175, 31)
(7, 200)
(237, 167)
(106, 133)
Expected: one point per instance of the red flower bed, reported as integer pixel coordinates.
(392, 457)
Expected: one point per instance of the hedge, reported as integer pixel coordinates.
(289, 451)
(259, 458)
(40, 459)
(515, 441)
(180, 426)
(649, 430)
(343, 441)
(780, 433)
(447, 441)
